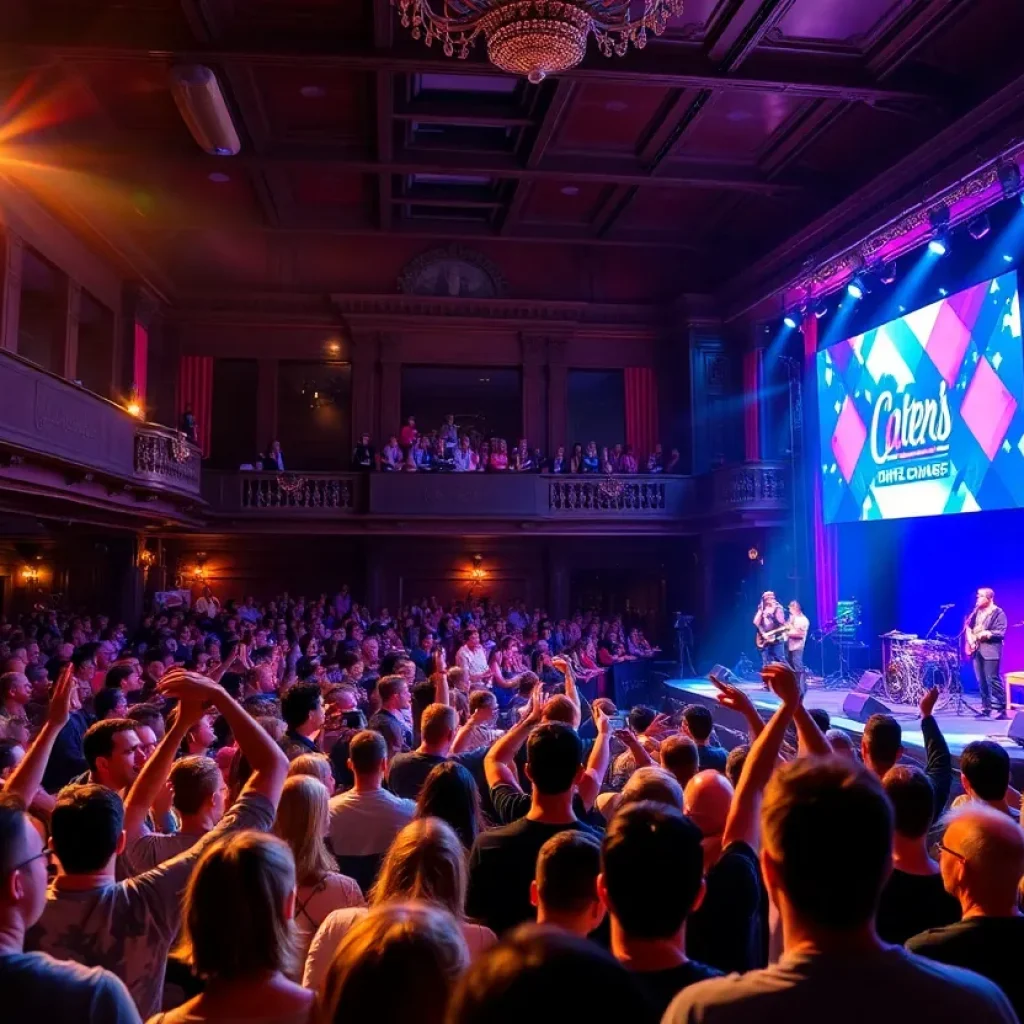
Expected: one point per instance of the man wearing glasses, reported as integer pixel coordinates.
(35, 986)
(981, 857)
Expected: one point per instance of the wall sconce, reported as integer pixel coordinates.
(753, 554)
(478, 573)
(199, 573)
(146, 558)
(30, 575)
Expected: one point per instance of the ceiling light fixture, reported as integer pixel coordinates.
(537, 38)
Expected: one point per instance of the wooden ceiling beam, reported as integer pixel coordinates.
(737, 28)
(563, 235)
(560, 99)
(137, 162)
(662, 63)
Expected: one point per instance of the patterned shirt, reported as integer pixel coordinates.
(128, 927)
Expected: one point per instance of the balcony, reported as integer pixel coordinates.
(483, 502)
(62, 446)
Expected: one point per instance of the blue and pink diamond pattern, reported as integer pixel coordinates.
(924, 416)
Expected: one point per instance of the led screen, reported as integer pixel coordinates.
(923, 416)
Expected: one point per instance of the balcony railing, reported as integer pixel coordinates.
(751, 487)
(164, 457)
(452, 496)
(50, 426)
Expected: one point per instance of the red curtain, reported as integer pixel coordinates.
(641, 412)
(752, 405)
(140, 362)
(826, 542)
(195, 388)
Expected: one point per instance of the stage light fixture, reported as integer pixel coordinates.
(1009, 180)
(818, 308)
(887, 273)
(939, 220)
(793, 319)
(856, 288)
(1007, 258)
(979, 227)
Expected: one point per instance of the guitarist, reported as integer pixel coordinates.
(986, 628)
(770, 622)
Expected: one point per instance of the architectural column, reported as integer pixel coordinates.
(67, 359)
(390, 386)
(558, 397)
(559, 582)
(363, 356)
(13, 251)
(266, 402)
(534, 406)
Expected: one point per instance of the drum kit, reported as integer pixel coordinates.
(914, 664)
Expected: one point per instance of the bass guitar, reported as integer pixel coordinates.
(771, 636)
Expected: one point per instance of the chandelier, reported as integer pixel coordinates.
(537, 38)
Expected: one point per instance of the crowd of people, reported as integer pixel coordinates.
(292, 812)
(447, 450)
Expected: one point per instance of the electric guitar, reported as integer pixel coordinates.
(971, 640)
(766, 639)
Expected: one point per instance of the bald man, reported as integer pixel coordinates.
(981, 857)
(706, 801)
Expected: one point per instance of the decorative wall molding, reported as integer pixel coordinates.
(454, 271)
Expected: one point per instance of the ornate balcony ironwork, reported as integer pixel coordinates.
(751, 487)
(165, 457)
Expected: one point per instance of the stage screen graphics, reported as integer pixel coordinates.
(924, 416)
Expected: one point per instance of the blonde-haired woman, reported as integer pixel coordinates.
(426, 863)
(398, 963)
(303, 820)
(237, 935)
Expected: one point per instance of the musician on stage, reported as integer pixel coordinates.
(984, 633)
(769, 621)
(796, 639)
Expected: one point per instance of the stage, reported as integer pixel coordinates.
(958, 730)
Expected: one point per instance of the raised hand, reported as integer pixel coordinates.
(188, 687)
(62, 698)
(928, 701)
(659, 727)
(783, 681)
(733, 698)
(600, 720)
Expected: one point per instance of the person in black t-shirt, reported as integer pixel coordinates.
(652, 876)
(700, 725)
(502, 864)
(982, 860)
(407, 772)
(914, 898)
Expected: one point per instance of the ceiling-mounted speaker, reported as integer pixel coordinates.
(202, 105)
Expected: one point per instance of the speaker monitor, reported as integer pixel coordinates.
(861, 706)
(1016, 730)
(869, 681)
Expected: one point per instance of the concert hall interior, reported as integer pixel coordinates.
(290, 302)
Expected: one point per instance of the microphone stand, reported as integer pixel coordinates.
(934, 625)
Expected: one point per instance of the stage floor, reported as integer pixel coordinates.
(958, 730)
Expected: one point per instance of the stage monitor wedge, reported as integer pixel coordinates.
(861, 706)
(924, 415)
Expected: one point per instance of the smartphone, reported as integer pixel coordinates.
(618, 721)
